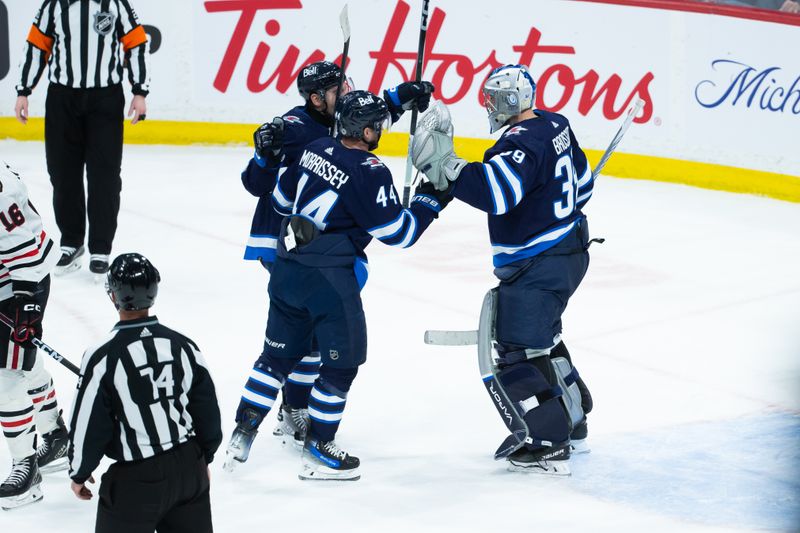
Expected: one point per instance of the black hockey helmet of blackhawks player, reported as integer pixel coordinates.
(132, 282)
(358, 110)
(317, 78)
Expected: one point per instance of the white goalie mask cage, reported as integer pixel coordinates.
(508, 91)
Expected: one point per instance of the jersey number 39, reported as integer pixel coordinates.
(565, 173)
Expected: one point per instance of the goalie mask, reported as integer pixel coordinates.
(132, 282)
(361, 109)
(507, 92)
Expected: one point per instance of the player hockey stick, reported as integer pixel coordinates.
(618, 137)
(45, 348)
(344, 22)
(423, 32)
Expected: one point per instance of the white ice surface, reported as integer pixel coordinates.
(686, 328)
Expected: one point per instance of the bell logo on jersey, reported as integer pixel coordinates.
(291, 119)
(372, 162)
(516, 130)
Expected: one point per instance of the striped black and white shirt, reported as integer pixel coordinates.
(142, 391)
(86, 43)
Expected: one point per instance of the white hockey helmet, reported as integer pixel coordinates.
(508, 91)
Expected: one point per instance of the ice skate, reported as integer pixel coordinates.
(239, 446)
(326, 461)
(70, 260)
(577, 439)
(551, 461)
(51, 455)
(292, 426)
(23, 486)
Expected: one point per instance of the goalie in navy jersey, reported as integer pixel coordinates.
(278, 144)
(533, 183)
(337, 197)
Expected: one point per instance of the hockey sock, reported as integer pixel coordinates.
(301, 380)
(19, 428)
(44, 400)
(325, 411)
(327, 401)
(260, 391)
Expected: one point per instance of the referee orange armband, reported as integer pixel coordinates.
(133, 38)
(40, 40)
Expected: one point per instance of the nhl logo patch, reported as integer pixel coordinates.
(104, 22)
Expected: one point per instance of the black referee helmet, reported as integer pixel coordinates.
(132, 282)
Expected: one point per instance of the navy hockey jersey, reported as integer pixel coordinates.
(259, 178)
(533, 183)
(349, 193)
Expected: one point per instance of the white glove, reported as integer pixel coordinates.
(437, 118)
(432, 154)
(432, 150)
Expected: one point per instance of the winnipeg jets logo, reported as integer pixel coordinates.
(372, 162)
(516, 130)
(329, 150)
(291, 119)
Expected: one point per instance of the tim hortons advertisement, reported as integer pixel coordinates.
(237, 61)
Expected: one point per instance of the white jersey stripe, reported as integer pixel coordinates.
(513, 180)
(496, 190)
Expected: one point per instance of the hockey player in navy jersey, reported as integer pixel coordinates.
(278, 145)
(337, 197)
(533, 183)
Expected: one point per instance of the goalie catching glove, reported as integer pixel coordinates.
(432, 150)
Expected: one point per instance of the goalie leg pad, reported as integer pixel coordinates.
(537, 401)
(560, 350)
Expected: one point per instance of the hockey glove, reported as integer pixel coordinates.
(407, 96)
(268, 139)
(436, 200)
(27, 314)
(432, 154)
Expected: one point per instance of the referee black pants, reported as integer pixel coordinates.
(83, 128)
(168, 493)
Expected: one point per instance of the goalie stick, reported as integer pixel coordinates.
(618, 137)
(45, 348)
(423, 32)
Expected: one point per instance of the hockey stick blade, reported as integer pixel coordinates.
(451, 338)
(344, 22)
(618, 137)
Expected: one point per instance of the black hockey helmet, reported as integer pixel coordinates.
(317, 78)
(132, 282)
(358, 110)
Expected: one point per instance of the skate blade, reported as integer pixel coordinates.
(577, 447)
(55, 466)
(231, 462)
(547, 468)
(63, 271)
(98, 279)
(314, 473)
(15, 502)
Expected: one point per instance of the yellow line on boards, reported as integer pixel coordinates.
(622, 165)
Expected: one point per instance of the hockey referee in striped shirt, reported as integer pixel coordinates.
(85, 44)
(145, 399)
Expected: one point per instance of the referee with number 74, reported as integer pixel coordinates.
(146, 400)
